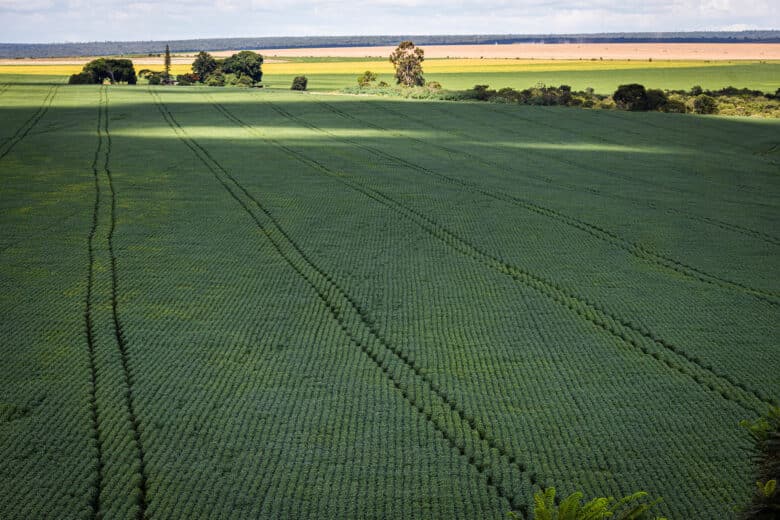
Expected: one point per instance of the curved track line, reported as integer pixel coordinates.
(637, 250)
(735, 228)
(28, 125)
(119, 331)
(94, 502)
(624, 330)
(342, 307)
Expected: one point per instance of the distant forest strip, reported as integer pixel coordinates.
(55, 50)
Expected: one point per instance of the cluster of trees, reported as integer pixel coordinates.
(635, 97)
(98, 71)
(243, 69)
(540, 94)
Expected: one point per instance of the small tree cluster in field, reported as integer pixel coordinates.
(98, 71)
(300, 83)
(243, 69)
(540, 95)
(728, 100)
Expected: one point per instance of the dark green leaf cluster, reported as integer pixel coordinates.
(366, 79)
(631, 507)
(766, 435)
(539, 95)
(243, 69)
(299, 83)
(102, 69)
(245, 63)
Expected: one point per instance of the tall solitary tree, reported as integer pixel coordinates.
(167, 72)
(407, 60)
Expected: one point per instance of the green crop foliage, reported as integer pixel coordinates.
(248, 303)
(631, 507)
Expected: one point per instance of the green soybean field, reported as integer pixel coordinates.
(247, 303)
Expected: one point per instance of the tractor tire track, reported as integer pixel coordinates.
(633, 248)
(28, 125)
(727, 226)
(121, 341)
(95, 498)
(623, 330)
(476, 447)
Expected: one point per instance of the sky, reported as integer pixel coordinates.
(28, 21)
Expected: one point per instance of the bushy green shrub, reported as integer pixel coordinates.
(366, 79)
(82, 78)
(215, 80)
(299, 83)
(656, 99)
(187, 79)
(674, 106)
(704, 104)
(480, 92)
(631, 97)
(245, 81)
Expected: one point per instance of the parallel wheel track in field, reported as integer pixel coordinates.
(624, 330)
(120, 336)
(721, 224)
(89, 325)
(637, 250)
(104, 148)
(27, 126)
(344, 310)
(4, 87)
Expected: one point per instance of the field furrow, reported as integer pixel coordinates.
(28, 125)
(708, 360)
(635, 249)
(47, 434)
(493, 133)
(621, 328)
(258, 303)
(319, 231)
(475, 447)
(122, 489)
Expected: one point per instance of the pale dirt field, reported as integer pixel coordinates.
(570, 51)
(567, 51)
